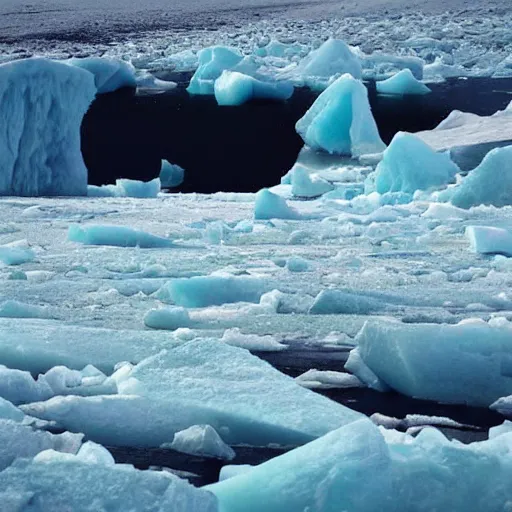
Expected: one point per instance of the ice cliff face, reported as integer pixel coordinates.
(42, 104)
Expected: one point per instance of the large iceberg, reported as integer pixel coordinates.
(52, 482)
(109, 74)
(42, 104)
(212, 62)
(201, 382)
(402, 83)
(361, 468)
(234, 88)
(408, 164)
(490, 183)
(466, 363)
(340, 121)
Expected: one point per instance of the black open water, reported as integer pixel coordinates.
(245, 148)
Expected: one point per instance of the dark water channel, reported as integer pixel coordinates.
(246, 148)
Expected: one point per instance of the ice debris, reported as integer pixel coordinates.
(42, 104)
(340, 121)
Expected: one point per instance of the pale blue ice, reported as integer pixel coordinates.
(119, 236)
(402, 83)
(171, 175)
(234, 88)
(340, 121)
(490, 183)
(42, 104)
(409, 164)
(361, 468)
(109, 74)
(212, 62)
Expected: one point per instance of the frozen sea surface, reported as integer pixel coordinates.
(90, 20)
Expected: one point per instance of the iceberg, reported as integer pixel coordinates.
(117, 236)
(490, 183)
(490, 240)
(52, 482)
(202, 440)
(333, 58)
(109, 74)
(171, 175)
(233, 88)
(200, 382)
(466, 363)
(42, 104)
(212, 62)
(408, 164)
(340, 121)
(402, 83)
(360, 468)
(268, 205)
